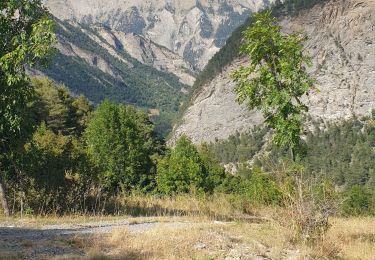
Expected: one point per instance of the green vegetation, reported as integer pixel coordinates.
(80, 160)
(340, 152)
(359, 200)
(121, 143)
(130, 82)
(85, 162)
(185, 170)
(26, 39)
(231, 50)
(239, 147)
(61, 155)
(275, 79)
(273, 83)
(52, 168)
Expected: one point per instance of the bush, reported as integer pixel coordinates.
(257, 187)
(121, 142)
(182, 170)
(358, 201)
(309, 204)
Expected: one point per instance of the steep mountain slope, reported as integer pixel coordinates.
(341, 40)
(194, 30)
(145, 53)
(92, 61)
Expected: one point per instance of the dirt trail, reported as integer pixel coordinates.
(53, 240)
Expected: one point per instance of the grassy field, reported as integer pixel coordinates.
(189, 228)
(347, 239)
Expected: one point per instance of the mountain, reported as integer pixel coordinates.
(193, 29)
(90, 62)
(341, 41)
(145, 53)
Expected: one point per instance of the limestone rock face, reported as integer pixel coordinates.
(194, 30)
(341, 40)
(146, 52)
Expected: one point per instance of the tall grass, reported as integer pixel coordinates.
(218, 206)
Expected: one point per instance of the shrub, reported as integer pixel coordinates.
(309, 203)
(121, 142)
(358, 201)
(182, 170)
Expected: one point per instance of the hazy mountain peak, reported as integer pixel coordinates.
(193, 29)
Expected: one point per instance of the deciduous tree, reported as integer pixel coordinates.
(121, 141)
(275, 78)
(26, 35)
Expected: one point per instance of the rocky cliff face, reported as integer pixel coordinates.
(341, 40)
(192, 29)
(143, 50)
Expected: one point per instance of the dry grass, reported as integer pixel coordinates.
(135, 208)
(202, 236)
(347, 239)
(10, 255)
(196, 241)
(218, 206)
(355, 237)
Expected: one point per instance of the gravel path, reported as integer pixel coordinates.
(36, 243)
(50, 241)
(88, 228)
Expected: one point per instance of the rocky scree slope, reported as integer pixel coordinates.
(341, 40)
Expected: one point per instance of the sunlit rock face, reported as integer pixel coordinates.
(341, 41)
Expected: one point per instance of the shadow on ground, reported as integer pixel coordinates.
(68, 243)
(23, 243)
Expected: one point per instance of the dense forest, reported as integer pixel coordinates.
(341, 152)
(77, 159)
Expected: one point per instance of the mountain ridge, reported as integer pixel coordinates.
(174, 38)
(195, 30)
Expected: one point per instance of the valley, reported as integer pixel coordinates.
(142, 53)
(169, 129)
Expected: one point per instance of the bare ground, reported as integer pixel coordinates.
(71, 241)
(177, 238)
(48, 241)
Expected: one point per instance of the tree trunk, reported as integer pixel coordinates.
(3, 198)
(292, 154)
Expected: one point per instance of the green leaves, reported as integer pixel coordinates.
(121, 142)
(26, 39)
(181, 170)
(186, 169)
(275, 79)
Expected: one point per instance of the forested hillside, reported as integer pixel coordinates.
(88, 68)
(342, 152)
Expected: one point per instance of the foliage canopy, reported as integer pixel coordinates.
(121, 142)
(275, 78)
(26, 39)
